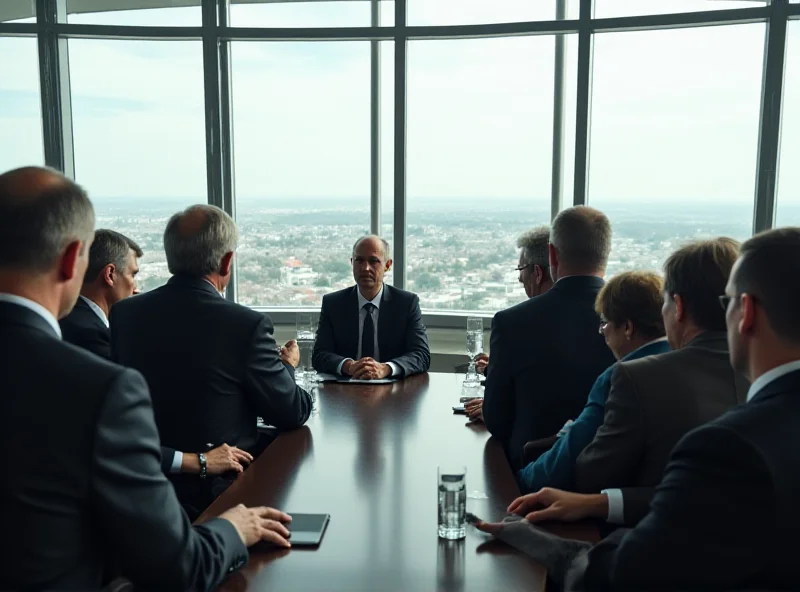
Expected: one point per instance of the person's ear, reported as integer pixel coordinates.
(552, 255)
(748, 320)
(108, 274)
(539, 273)
(628, 330)
(388, 265)
(680, 311)
(226, 264)
(68, 264)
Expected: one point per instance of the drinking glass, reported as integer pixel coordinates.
(306, 335)
(474, 347)
(452, 502)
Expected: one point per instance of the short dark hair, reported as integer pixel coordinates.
(36, 225)
(582, 237)
(635, 296)
(769, 269)
(108, 247)
(699, 272)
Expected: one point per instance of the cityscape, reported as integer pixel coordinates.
(461, 256)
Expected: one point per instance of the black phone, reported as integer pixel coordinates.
(307, 529)
(459, 410)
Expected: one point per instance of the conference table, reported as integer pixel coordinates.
(368, 456)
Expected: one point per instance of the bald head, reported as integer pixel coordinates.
(41, 212)
(197, 239)
(374, 243)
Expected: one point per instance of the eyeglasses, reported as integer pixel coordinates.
(602, 327)
(527, 265)
(725, 301)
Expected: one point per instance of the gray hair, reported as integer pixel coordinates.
(534, 246)
(39, 219)
(582, 237)
(109, 247)
(196, 240)
(387, 251)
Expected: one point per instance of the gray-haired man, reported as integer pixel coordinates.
(212, 365)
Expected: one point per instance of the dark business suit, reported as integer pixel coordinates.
(546, 354)
(82, 327)
(652, 404)
(82, 492)
(725, 515)
(402, 338)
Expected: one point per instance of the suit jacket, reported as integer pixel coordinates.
(87, 492)
(212, 365)
(402, 339)
(555, 467)
(653, 403)
(546, 353)
(725, 515)
(82, 327)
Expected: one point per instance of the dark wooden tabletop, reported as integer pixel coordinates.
(369, 457)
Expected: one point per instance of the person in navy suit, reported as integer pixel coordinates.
(371, 330)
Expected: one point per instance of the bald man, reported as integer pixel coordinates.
(82, 497)
(372, 330)
(212, 365)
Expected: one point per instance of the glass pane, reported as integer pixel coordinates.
(612, 8)
(125, 12)
(334, 13)
(480, 129)
(459, 12)
(20, 104)
(674, 137)
(137, 111)
(788, 206)
(302, 162)
(387, 146)
(17, 11)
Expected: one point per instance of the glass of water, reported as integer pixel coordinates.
(306, 335)
(452, 502)
(474, 347)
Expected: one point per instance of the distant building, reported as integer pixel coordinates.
(294, 273)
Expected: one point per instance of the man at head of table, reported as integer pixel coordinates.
(371, 330)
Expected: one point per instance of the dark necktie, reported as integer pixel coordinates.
(368, 333)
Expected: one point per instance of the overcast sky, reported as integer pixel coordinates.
(674, 113)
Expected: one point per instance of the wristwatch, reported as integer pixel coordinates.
(203, 465)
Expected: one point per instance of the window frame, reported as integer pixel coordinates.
(52, 32)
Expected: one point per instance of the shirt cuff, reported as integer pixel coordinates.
(616, 506)
(395, 368)
(341, 365)
(177, 461)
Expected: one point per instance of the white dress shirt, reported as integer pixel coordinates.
(96, 309)
(35, 307)
(362, 316)
(616, 506)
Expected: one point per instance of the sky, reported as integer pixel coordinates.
(674, 113)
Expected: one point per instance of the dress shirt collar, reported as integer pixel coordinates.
(639, 349)
(375, 301)
(96, 309)
(771, 376)
(35, 307)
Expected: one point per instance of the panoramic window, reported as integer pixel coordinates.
(20, 104)
(301, 130)
(674, 137)
(138, 121)
(612, 8)
(788, 205)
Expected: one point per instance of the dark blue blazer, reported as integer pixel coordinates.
(546, 354)
(726, 513)
(402, 338)
(82, 489)
(555, 467)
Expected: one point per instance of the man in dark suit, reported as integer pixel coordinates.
(725, 514)
(86, 501)
(212, 365)
(546, 352)
(371, 330)
(110, 278)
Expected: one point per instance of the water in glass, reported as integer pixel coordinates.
(452, 503)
